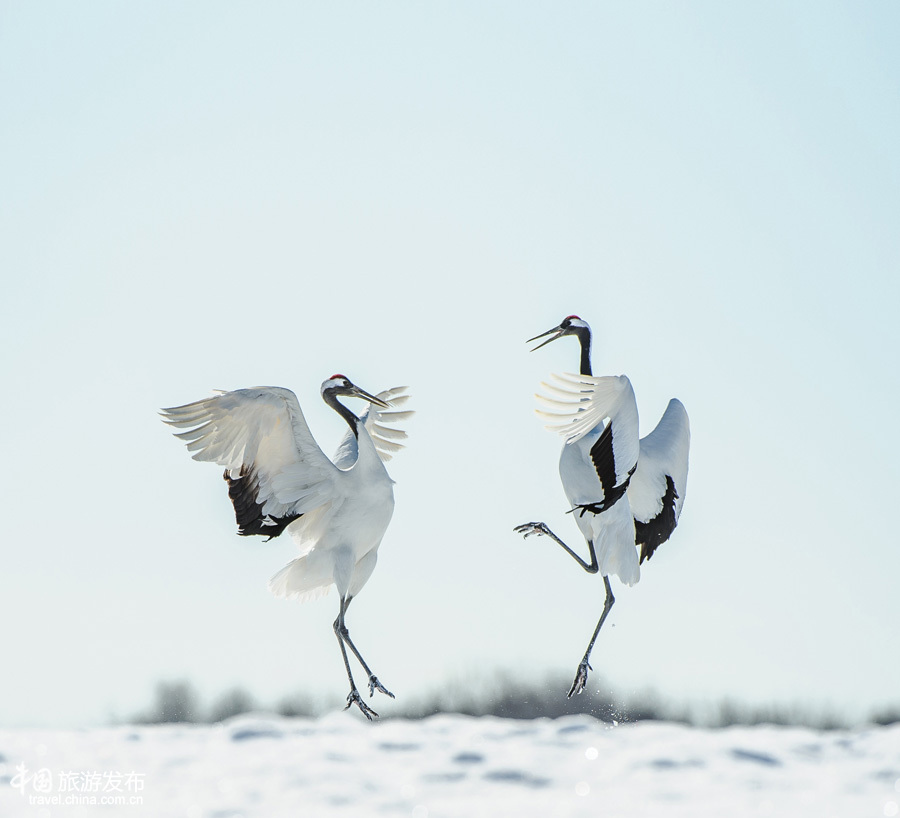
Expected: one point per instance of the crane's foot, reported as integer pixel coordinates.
(580, 678)
(532, 528)
(374, 685)
(355, 698)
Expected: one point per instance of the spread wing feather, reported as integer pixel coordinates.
(659, 484)
(585, 403)
(274, 467)
(663, 452)
(374, 419)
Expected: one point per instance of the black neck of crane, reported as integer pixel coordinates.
(330, 397)
(584, 338)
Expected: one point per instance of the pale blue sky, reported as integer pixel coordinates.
(218, 195)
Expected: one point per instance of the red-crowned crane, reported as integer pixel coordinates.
(625, 492)
(280, 480)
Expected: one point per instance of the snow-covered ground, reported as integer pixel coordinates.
(338, 765)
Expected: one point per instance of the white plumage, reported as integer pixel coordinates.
(664, 455)
(280, 480)
(366, 510)
(593, 468)
(624, 491)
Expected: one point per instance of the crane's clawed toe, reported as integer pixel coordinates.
(580, 679)
(355, 698)
(532, 528)
(374, 685)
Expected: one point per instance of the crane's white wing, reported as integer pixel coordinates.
(274, 468)
(599, 417)
(580, 402)
(384, 437)
(659, 483)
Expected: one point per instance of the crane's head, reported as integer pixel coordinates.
(570, 325)
(341, 385)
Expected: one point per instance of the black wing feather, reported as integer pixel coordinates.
(604, 460)
(652, 534)
(248, 513)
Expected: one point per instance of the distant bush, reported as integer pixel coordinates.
(174, 702)
(231, 703)
(296, 706)
(731, 713)
(510, 698)
(886, 716)
(505, 696)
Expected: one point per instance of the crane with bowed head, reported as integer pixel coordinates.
(280, 480)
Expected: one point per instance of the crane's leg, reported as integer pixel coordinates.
(541, 528)
(353, 697)
(344, 635)
(582, 673)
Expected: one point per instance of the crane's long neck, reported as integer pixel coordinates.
(352, 420)
(584, 338)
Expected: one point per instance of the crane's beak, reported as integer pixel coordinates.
(559, 332)
(356, 392)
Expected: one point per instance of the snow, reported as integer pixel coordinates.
(339, 765)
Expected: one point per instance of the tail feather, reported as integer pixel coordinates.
(303, 579)
(613, 532)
